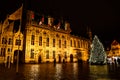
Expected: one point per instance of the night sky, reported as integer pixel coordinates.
(102, 16)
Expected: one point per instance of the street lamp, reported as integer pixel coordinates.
(17, 65)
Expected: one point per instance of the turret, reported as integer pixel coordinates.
(67, 26)
(50, 21)
(30, 17)
(89, 34)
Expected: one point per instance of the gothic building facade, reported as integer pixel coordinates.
(40, 42)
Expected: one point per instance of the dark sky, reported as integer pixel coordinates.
(102, 16)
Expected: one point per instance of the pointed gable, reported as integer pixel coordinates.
(16, 15)
(115, 43)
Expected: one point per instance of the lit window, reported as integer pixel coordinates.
(59, 43)
(18, 42)
(78, 44)
(74, 43)
(32, 39)
(53, 54)
(65, 55)
(4, 41)
(53, 42)
(2, 52)
(40, 41)
(71, 43)
(9, 50)
(65, 44)
(47, 42)
(10, 41)
(47, 54)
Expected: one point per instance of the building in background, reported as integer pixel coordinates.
(43, 39)
(115, 49)
(114, 52)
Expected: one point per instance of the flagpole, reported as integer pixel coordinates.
(17, 65)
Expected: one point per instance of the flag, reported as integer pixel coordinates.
(16, 15)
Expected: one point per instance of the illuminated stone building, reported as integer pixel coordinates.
(114, 50)
(40, 41)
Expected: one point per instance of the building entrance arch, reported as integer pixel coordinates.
(71, 57)
(59, 58)
(39, 59)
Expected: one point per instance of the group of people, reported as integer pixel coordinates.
(115, 60)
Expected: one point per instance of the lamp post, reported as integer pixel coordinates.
(17, 65)
(17, 62)
(5, 51)
(9, 61)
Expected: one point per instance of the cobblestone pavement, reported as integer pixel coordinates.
(60, 71)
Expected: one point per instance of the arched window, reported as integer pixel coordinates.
(47, 42)
(47, 54)
(18, 42)
(32, 39)
(4, 41)
(65, 43)
(53, 42)
(10, 41)
(71, 43)
(74, 43)
(78, 44)
(40, 40)
(53, 54)
(59, 43)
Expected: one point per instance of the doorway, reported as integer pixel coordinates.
(59, 60)
(71, 57)
(39, 59)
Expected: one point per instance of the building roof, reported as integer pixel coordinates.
(115, 43)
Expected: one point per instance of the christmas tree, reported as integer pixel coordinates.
(97, 52)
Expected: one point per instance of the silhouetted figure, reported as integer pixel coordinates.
(118, 60)
(63, 60)
(54, 60)
(115, 61)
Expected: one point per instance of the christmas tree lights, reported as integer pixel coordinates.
(97, 52)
